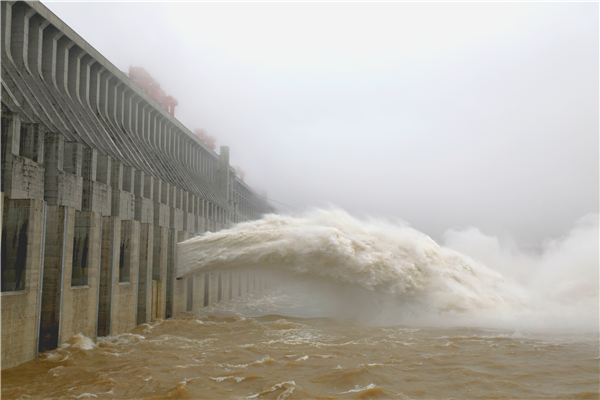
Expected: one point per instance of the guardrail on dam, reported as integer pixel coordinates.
(99, 183)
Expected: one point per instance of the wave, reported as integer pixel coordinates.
(394, 263)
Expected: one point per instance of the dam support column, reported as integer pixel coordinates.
(125, 279)
(198, 291)
(58, 244)
(63, 188)
(117, 307)
(97, 192)
(189, 303)
(80, 287)
(223, 172)
(22, 159)
(23, 226)
(159, 253)
(176, 224)
(225, 285)
(124, 311)
(213, 285)
(243, 282)
(144, 307)
(170, 282)
(159, 271)
(262, 286)
(183, 294)
(235, 284)
(111, 233)
(170, 279)
(144, 213)
(23, 213)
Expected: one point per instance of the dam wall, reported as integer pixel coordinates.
(98, 185)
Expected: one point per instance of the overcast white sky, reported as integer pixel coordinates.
(443, 115)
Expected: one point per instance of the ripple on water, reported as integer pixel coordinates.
(237, 358)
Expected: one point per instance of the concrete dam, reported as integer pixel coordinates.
(99, 184)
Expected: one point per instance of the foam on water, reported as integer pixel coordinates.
(390, 273)
(82, 342)
(310, 358)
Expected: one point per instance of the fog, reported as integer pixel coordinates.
(451, 117)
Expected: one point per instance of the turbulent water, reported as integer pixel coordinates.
(361, 309)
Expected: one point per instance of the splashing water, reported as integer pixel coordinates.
(383, 273)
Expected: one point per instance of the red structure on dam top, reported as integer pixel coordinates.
(142, 78)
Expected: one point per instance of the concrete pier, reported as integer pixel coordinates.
(98, 185)
(144, 305)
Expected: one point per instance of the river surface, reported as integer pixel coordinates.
(358, 309)
(220, 354)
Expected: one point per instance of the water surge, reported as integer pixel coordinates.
(380, 272)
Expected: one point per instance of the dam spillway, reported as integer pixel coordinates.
(99, 184)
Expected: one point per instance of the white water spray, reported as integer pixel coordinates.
(403, 274)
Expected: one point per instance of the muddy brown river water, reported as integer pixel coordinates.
(218, 354)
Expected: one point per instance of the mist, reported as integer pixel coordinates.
(447, 116)
(379, 272)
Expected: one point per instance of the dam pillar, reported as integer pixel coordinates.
(111, 234)
(96, 189)
(125, 278)
(23, 226)
(213, 284)
(243, 277)
(211, 217)
(189, 302)
(190, 213)
(22, 159)
(117, 306)
(144, 301)
(226, 289)
(196, 213)
(63, 183)
(118, 293)
(182, 205)
(176, 225)
(183, 295)
(58, 245)
(81, 277)
(160, 197)
(235, 284)
(223, 172)
(144, 206)
(198, 292)
(159, 271)
(144, 213)
(202, 226)
(251, 283)
(123, 203)
(170, 282)
(176, 220)
(63, 191)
